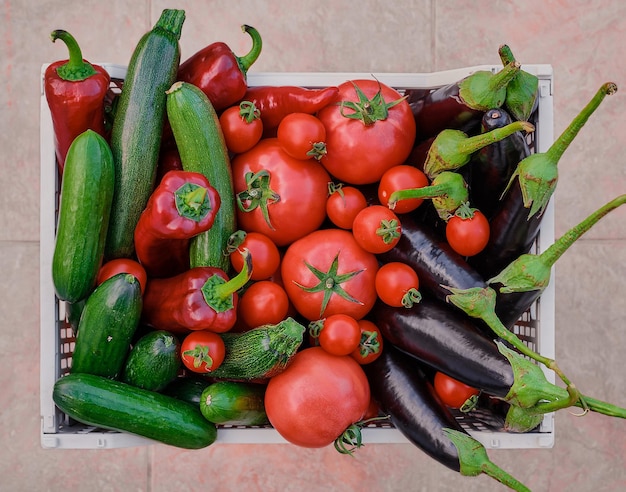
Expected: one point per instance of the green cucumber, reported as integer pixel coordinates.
(153, 362)
(259, 353)
(84, 213)
(106, 327)
(187, 389)
(138, 127)
(202, 149)
(234, 403)
(111, 404)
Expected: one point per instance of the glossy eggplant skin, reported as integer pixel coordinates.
(511, 306)
(434, 261)
(448, 341)
(492, 166)
(441, 109)
(403, 392)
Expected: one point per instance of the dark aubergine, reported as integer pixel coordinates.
(493, 165)
(448, 341)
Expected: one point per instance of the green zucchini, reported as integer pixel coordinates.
(186, 388)
(107, 324)
(138, 127)
(202, 149)
(234, 403)
(153, 362)
(259, 353)
(111, 404)
(84, 213)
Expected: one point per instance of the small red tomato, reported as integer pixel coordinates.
(376, 229)
(397, 284)
(398, 178)
(242, 127)
(452, 392)
(263, 251)
(343, 204)
(340, 334)
(370, 345)
(302, 136)
(263, 303)
(202, 351)
(123, 265)
(468, 236)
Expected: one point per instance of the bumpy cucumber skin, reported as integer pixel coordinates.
(202, 149)
(138, 127)
(234, 403)
(106, 327)
(153, 362)
(111, 404)
(84, 213)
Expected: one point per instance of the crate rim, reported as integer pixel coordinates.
(51, 438)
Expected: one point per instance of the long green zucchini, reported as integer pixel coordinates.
(202, 149)
(138, 127)
(111, 404)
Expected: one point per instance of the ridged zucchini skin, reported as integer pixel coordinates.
(111, 404)
(202, 149)
(234, 403)
(107, 325)
(84, 213)
(138, 127)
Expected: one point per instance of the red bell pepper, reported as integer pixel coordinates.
(276, 102)
(219, 73)
(201, 298)
(75, 91)
(182, 206)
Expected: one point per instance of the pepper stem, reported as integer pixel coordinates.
(76, 69)
(218, 293)
(246, 61)
(192, 201)
(473, 460)
(559, 146)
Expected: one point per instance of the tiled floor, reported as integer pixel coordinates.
(584, 41)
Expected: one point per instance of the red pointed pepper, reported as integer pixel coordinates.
(182, 206)
(202, 298)
(75, 91)
(219, 73)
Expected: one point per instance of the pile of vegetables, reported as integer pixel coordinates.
(316, 260)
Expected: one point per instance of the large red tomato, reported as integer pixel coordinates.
(369, 129)
(317, 397)
(277, 195)
(327, 272)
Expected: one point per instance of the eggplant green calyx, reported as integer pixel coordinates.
(522, 91)
(473, 460)
(537, 174)
(484, 90)
(532, 272)
(76, 69)
(369, 111)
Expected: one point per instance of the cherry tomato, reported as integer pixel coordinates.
(401, 177)
(343, 204)
(452, 392)
(340, 334)
(370, 345)
(376, 229)
(264, 302)
(327, 272)
(123, 265)
(468, 237)
(359, 151)
(277, 195)
(317, 397)
(242, 127)
(202, 351)
(263, 251)
(397, 284)
(302, 136)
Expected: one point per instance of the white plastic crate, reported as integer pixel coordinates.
(536, 327)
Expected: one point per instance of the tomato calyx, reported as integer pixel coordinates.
(318, 150)
(248, 111)
(315, 327)
(330, 283)
(368, 111)
(200, 354)
(411, 297)
(258, 194)
(465, 211)
(388, 230)
(235, 240)
(352, 438)
(369, 344)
